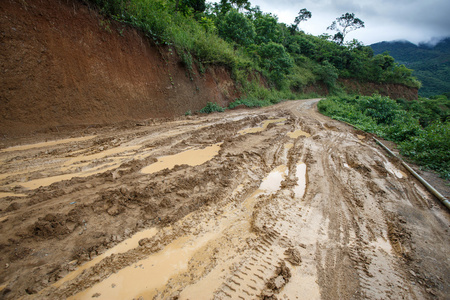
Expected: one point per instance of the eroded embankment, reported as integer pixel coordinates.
(65, 65)
(279, 202)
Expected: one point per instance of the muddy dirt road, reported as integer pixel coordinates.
(272, 203)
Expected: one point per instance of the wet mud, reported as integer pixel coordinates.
(271, 203)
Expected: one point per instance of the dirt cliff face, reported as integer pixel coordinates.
(63, 65)
(394, 91)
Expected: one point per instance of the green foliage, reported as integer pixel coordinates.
(430, 148)
(303, 15)
(256, 95)
(211, 107)
(427, 145)
(427, 110)
(327, 73)
(235, 27)
(267, 29)
(247, 41)
(276, 60)
(187, 5)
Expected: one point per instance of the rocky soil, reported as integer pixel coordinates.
(272, 203)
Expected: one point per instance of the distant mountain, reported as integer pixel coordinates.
(431, 63)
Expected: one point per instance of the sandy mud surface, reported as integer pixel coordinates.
(273, 203)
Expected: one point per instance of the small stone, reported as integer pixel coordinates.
(96, 295)
(430, 291)
(412, 273)
(279, 282)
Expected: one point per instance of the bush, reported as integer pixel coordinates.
(427, 146)
(430, 148)
(211, 107)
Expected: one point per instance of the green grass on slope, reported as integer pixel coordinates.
(428, 145)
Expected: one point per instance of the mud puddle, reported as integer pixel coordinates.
(297, 133)
(273, 181)
(193, 157)
(300, 188)
(9, 194)
(47, 144)
(122, 247)
(77, 166)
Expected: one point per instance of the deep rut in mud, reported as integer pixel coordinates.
(279, 202)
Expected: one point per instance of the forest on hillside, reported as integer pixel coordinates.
(431, 63)
(249, 42)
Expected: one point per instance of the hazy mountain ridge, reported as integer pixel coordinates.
(431, 64)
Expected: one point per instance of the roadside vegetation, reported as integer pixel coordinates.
(270, 60)
(420, 128)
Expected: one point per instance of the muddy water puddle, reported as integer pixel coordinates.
(273, 181)
(68, 168)
(47, 144)
(263, 126)
(9, 194)
(149, 276)
(122, 247)
(300, 188)
(143, 278)
(297, 133)
(193, 157)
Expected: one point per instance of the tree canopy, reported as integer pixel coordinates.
(343, 25)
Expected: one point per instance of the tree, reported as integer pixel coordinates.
(234, 26)
(267, 29)
(303, 15)
(276, 60)
(225, 6)
(241, 4)
(343, 25)
(185, 5)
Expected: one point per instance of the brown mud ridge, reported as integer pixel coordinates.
(273, 203)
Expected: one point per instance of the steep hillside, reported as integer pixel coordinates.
(431, 64)
(63, 64)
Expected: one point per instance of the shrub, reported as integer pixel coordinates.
(211, 107)
(428, 146)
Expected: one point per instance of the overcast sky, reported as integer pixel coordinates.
(385, 20)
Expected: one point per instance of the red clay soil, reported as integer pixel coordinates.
(394, 91)
(63, 64)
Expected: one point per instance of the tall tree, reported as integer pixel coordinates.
(185, 5)
(234, 26)
(303, 15)
(267, 29)
(225, 6)
(343, 25)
